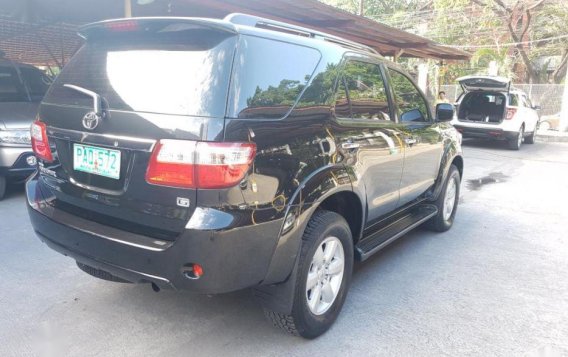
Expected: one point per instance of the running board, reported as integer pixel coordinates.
(394, 230)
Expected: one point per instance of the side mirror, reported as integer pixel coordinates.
(412, 115)
(444, 112)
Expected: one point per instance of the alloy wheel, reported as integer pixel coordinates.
(325, 275)
(450, 199)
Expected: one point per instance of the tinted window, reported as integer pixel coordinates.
(10, 87)
(182, 72)
(342, 108)
(367, 93)
(513, 100)
(37, 82)
(411, 105)
(269, 76)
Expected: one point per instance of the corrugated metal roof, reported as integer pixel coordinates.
(48, 36)
(38, 44)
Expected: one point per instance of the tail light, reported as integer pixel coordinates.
(40, 143)
(190, 164)
(510, 113)
(122, 26)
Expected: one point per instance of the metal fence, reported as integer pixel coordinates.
(548, 96)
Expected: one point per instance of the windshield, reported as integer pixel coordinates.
(183, 73)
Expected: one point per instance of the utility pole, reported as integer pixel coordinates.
(564, 112)
(127, 8)
(361, 7)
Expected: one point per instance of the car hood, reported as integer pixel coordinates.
(17, 115)
(488, 83)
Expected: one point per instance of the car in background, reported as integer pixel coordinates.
(22, 87)
(550, 122)
(490, 108)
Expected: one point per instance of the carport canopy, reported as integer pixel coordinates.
(43, 32)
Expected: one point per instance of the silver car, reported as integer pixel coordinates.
(22, 87)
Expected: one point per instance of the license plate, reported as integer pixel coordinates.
(97, 161)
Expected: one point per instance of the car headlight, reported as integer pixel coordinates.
(21, 137)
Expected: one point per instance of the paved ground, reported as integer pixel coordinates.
(496, 284)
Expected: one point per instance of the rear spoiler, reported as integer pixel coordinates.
(153, 25)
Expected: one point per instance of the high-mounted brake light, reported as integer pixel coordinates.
(40, 142)
(510, 113)
(122, 26)
(190, 164)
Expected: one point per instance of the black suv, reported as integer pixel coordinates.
(216, 155)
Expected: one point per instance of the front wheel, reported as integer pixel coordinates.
(2, 187)
(515, 143)
(324, 275)
(531, 138)
(447, 202)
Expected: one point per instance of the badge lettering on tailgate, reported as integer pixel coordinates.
(183, 202)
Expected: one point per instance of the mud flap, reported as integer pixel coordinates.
(278, 297)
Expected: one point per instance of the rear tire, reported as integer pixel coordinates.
(515, 144)
(311, 318)
(2, 187)
(450, 195)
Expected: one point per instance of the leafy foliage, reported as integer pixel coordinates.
(489, 27)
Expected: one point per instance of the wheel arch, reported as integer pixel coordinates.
(348, 205)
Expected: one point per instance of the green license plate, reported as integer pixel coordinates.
(97, 161)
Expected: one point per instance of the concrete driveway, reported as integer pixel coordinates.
(496, 284)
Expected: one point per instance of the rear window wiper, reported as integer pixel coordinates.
(97, 98)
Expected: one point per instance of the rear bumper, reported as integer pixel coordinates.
(486, 133)
(232, 259)
(13, 162)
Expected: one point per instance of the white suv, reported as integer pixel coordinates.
(490, 108)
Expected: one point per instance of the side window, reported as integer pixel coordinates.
(269, 76)
(366, 90)
(37, 82)
(525, 101)
(10, 88)
(342, 108)
(513, 100)
(412, 106)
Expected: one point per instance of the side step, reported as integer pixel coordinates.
(394, 230)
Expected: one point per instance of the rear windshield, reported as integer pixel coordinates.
(180, 73)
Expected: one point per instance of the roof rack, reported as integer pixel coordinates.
(264, 23)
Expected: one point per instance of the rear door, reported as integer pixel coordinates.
(366, 134)
(530, 114)
(485, 83)
(158, 80)
(421, 137)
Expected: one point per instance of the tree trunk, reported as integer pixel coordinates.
(560, 71)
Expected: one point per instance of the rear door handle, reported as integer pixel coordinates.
(350, 145)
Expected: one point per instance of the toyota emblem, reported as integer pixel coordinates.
(91, 120)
